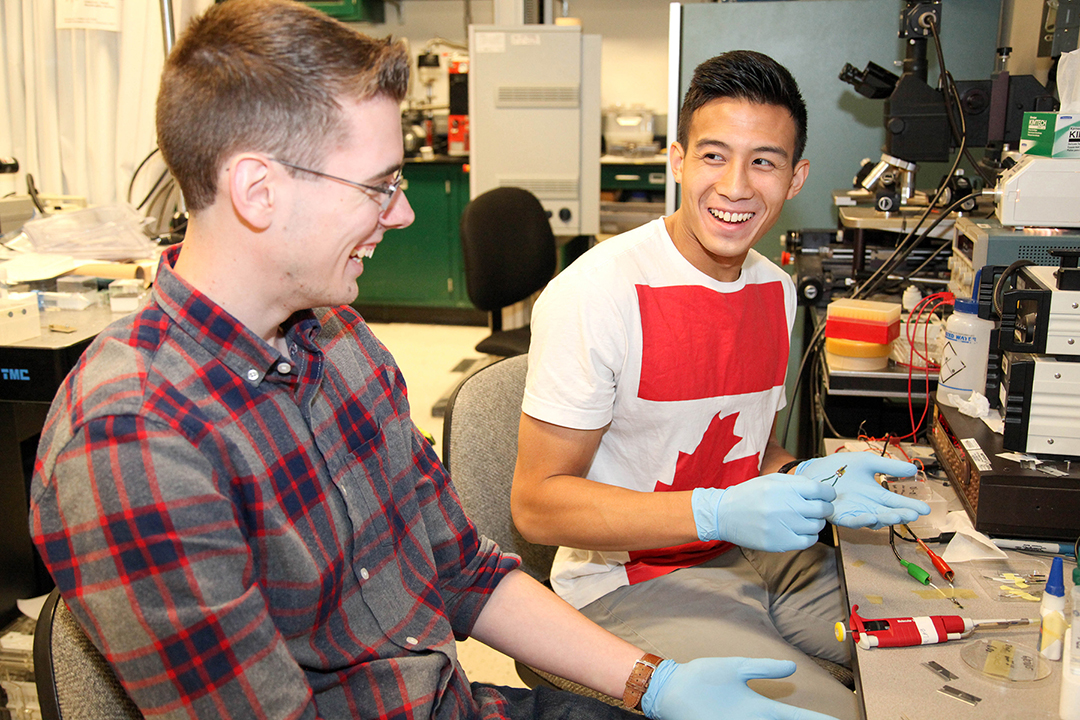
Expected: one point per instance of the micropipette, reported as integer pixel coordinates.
(909, 631)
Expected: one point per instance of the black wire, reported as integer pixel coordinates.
(134, 175)
(907, 278)
(944, 214)
(950, 85)
(999, 287)
(939, 539)
(162, 198)
(808, 351)
(825, 416)
(161, 178)
(32, 191)
(892, 544)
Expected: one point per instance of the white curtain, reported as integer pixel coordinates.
(78, 105)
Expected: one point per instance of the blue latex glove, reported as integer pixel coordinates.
(773, 512)
(710, 688)
(860, 499)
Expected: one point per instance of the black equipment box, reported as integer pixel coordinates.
(1003, 498)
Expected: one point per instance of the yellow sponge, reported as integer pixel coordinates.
(865, 310)
(856, 348)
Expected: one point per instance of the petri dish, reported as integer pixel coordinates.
(1005, 661)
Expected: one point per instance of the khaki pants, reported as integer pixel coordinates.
(745, 603)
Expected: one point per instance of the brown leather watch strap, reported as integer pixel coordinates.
(638, 682)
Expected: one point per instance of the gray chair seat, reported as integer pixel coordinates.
(73, 679)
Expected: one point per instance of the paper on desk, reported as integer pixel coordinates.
(32, 266)
(995, 422)
(968, 543)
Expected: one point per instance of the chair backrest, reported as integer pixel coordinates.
(74, 681)
(508, 247)
(480, 432)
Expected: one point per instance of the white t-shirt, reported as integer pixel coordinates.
(686, 372)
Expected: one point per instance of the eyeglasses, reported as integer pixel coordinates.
(387, 190)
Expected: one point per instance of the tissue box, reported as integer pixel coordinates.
(1050, 134)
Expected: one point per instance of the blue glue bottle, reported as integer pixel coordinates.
(1052, 609)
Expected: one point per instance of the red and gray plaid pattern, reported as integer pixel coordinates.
(246, 535)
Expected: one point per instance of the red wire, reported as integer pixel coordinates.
(929, 304)
(887, 440)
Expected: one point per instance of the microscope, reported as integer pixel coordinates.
(923, 123)
(14, 210)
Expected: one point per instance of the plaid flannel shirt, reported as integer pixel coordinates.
(246, 535)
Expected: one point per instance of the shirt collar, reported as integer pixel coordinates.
(218, 332)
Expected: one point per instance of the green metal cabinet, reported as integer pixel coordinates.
(373, 11)
(632, 176)
(421, 266)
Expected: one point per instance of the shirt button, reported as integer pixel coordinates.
(364, 573)
(284, 368)
(253, 374)
(411, 640)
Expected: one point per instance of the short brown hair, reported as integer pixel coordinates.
(265, 76)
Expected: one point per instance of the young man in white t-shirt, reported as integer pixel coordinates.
(646, 445)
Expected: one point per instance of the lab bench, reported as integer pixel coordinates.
(894, 682)
(417, 273)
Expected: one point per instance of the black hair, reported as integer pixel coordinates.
(745, 75)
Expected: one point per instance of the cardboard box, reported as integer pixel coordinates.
(1050, 134)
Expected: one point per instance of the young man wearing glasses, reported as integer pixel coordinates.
(230, 494)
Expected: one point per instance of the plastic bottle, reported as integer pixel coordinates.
(966, 352)
(1052, 609)
(910, 298)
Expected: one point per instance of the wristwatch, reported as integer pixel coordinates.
(638, 682)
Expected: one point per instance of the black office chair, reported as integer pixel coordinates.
(73, 679)
(509, 252)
